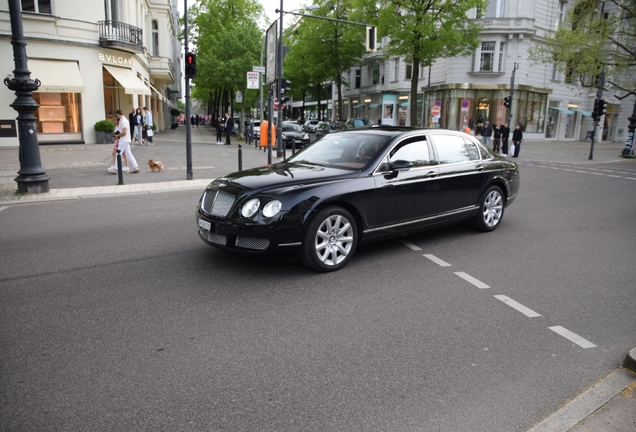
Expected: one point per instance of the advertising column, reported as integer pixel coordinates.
(389, 109)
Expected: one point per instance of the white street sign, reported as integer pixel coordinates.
(259, 69)
(252, 80)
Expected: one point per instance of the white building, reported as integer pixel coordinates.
(92, 58)
(466, 91)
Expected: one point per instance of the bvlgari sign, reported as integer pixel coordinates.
(108, 58)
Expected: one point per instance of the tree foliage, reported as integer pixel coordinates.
(588, 41)
(421, 31)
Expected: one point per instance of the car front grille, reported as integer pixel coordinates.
(255, 243)
(214, 237)
(217, 203)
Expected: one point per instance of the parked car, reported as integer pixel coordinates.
(354, 187)
(257, 129)
(294, 135)
(325, 128)
(310, 125)
(358, 122)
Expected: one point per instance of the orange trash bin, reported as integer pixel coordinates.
(263, 138)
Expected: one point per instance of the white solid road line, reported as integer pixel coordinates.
(410, 245)
(518, 306)
(468, 278)
(573, 337)
(436, 260)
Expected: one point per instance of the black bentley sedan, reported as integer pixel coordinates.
(357, 186)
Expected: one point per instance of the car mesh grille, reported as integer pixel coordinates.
(255, 243)
(217, 203)
(214, 237)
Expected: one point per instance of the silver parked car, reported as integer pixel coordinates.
(310, 125)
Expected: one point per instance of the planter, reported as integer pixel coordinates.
(102, 137)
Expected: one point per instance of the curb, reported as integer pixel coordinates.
(630, 361)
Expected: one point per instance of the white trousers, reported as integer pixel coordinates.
(125, 148)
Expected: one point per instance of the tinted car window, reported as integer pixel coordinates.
(453, 149)
(291, 127)
(414, 151)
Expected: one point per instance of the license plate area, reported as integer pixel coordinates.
(205, 225)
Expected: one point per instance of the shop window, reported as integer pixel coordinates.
(487, 56)
(37, 6)
(58, 113)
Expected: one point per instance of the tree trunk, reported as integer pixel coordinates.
(415, 76)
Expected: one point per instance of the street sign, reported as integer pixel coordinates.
(259, 69)
(252, 80)
(239, 97)
(436, 111)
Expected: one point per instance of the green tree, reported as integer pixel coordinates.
(422, 31)
(588, 41)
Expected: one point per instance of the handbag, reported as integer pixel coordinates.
(149, 132)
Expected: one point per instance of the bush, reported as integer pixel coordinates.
(105, 126)
(175, 112)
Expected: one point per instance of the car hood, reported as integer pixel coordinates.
(279, 177)
(294, 134)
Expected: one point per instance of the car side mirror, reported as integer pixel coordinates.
(397, 166)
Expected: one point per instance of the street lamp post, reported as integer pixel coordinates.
(32, 178)
(189, 174)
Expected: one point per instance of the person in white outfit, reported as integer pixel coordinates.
(122, 133)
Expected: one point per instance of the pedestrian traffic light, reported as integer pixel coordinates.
(190, 65)
(506, 101)
(371, 38)
(600, 108)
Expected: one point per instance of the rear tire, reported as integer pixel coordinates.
(330, 240)
(491, 210)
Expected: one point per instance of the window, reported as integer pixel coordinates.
(358, 78)
(155, 38)
(502, 50)
(409, 71)
(415, 152)
(454, 149)
(37, 6)
(487, 56)
(396, 69)
(555, 72)
(376, 74)
(494, 9)
(562, 5)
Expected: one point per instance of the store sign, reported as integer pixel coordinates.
(108, 58)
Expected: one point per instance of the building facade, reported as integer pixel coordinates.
(462, 92)
(93, 58)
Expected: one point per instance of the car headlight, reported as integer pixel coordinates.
(284, 136)
(306, 136)
(272, 208)
(250, 208)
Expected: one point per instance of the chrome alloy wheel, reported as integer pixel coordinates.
(493, 208)
(334, 240)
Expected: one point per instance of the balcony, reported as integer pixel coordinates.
(115, 34)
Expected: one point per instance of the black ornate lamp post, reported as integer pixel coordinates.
(32, 178)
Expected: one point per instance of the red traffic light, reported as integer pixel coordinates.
(190, 65)
(190, 58)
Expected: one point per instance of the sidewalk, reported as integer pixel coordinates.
(79, 171)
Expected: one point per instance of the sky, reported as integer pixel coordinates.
(269, 6)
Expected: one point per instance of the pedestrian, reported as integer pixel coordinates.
(229, 125)
(138, 121)
(486, 133)
(122, 134)
(196, 120)
(496, 141)
(505, 134)
(148, 126)
(517, 137)
(219, 130)
(114, 153)
(192, 120)
(131, 121)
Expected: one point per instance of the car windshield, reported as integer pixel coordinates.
(342, 150)
(292, 127)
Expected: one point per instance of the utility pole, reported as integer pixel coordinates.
(31, 177)
(279, 77)
(187, 97)
(512, 93)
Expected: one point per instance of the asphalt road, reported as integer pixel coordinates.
(115, 316)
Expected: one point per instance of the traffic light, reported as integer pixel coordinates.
(190, 65)
(285, 89)
(371, 39)
(600, 108)
(506, 101)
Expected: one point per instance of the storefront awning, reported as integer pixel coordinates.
(158, 95)
(567, 111)
(358, 106)
(584, 113)
(128, 80)
(57, 76)
(374, 105)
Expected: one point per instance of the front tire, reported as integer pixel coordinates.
(491, 209)
(330, 240)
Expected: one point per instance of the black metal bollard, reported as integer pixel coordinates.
(120, 172)
(240, 156)
(294, 147)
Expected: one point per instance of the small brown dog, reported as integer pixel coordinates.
(155, 165)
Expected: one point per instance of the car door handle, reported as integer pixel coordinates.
(431, 174)
(479, 168)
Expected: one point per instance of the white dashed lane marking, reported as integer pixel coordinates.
(590, 170)
(573, 337)
(438, 261)
(3, 208)
(468, 278)
(518, 306)
(410, 245)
